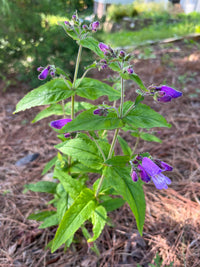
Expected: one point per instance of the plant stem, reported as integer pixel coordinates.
(74, 80)
(122, 98)
(109, 156)
(63, 108)
(136, 144)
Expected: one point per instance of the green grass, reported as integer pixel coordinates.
(154, 32)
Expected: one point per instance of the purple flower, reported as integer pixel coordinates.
(95, 26)
(104, 48)
(155, 172)
(101, 112)
(143, 174)
(103, 64)
(121, 54)
(163, 165)
(74, 17)
(67, 23)
(58, 124)
(44, 72)
(165, 93)
(134, 176)
(130, 70)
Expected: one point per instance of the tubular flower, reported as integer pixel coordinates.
(101, 112)
(134, 176)
(44, 72)
(58, 124)
(155, 172)
(95, 26)
(165, 93)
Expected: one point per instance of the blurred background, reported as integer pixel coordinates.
(30, 35)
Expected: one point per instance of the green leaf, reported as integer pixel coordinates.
(50, 221)
(62, 206)
(124, 146)
(69, 32)
(54, 109)
(59, 71)
(49, 165)
(113, 204)
(83, 150)
(149, 137)
(41, 216)
(92, 89)
(120, 180)
(72, 186)
(92, 44)
(120, 161)
(145, 117)
(43, 187)
(77, 107)
(74, 217)
(115, 66)
(134, 77)
(99, 217)
(87, 121)
(78, 167)
(48, 93)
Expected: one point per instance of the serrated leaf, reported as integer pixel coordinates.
(120, 161)
(134, 77)
(92, 44)
(78, 167)
(82, 150)
(74, 217)
(41, 216)
(72, 186)
(92, 89)
(124, 146)
(145, 117)
(99, 217)
(113, 204)
(115, 66)
(43, 187)
(50, 221)
(49, 165)
(87, 121)
(120, 180)
(48, 93)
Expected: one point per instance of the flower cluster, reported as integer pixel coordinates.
(45, 71)
(102, 111)
(148, 170)
(164, 93)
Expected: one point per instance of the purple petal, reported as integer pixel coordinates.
(164, 166)
(95, 25)
(170, 91)
(144, 175)
(103, 47)
(40, 69)
(43, 74)
(130, 70)
(164, 99)
(134, 176)
(67, 135)
(150, 167)
(161, 181)
(58, 124)
(97, 111)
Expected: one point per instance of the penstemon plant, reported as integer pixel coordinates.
(84, 148)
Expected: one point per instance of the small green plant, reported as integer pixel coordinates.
(84, 147)
(157, 262)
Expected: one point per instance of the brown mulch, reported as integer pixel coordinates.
(171, 228)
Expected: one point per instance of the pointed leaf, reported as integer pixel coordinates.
(82, 150)
(113, 204)
(49, 165)
(77, 107)
(92, 89)
(72, 186)
(145, 117)
(120, 180)
(74, 217)
(87, 121)
(99, 217)
(54, 109)
(149, 137)
(48, 93)
(41, 216)
(92, 44)
(124, 146)
(134, 77)
(43, 187)
(50, 221)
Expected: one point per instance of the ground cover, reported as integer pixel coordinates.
(172, 227)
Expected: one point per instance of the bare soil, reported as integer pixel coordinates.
(172, 226)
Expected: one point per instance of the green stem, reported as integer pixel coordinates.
(122, 98)
(63, 108)
(136, 144)
(74, 80)
(109, 156)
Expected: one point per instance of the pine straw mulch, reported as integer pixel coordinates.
(172, 219)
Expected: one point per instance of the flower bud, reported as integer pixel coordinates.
(121, 54)
(134, 176)
(130, 70)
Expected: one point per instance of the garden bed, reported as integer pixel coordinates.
(171, 228)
